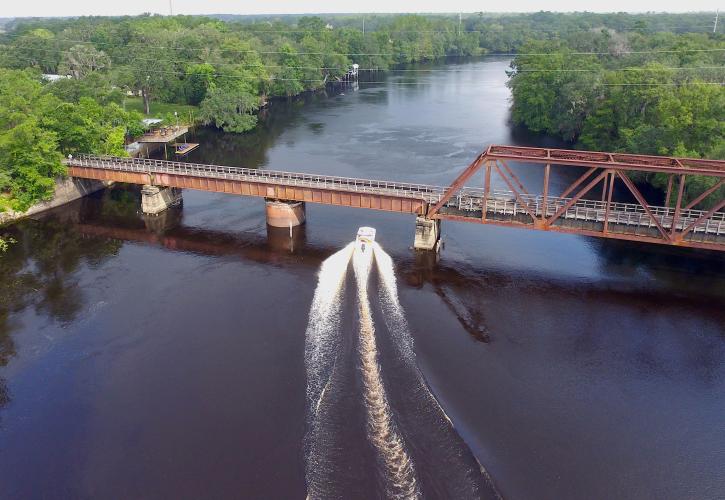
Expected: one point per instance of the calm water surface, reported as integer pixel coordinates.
(164, 357)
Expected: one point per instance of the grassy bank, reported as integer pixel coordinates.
(187, 113)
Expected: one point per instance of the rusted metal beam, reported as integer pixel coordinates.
(576, 198)
(516, 193)
(669, 191)
(577, 182)
(583, 232)
(608, 179)
(616, 161)
(545, 197)
(458, 183)
(514, 177)
(703, 217)
(339, 197)
(638, 196)
(486, 190)
(678, 204)
(705, 194)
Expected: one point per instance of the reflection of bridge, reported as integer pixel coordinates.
(574, 210)
(460, 289)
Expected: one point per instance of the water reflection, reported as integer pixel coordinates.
(38, 272)
(283, 240)
(250, 150)
(650, 327)
(670, 265)
(278, 247)
(465, 290)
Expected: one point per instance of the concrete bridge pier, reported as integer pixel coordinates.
(282, 213)
(427, 234)
(155, 199)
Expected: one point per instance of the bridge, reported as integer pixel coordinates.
(586, 206)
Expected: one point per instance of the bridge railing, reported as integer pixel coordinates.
(629, 214)
(150, 166)
(468, 199)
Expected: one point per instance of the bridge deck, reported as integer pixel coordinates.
(583, 216)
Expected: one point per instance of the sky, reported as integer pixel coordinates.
(46, 8)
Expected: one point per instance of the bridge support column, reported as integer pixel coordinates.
(282, 213)
(427, 234)
(155, 199)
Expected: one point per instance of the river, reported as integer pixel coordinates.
(146, 357)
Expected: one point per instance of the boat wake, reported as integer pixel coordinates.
(424, 418)
(322, 345)
(416, 448)
(400, 474)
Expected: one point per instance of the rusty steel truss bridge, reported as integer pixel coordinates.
(584, 207)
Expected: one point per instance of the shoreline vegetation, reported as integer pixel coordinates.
(107, 73)
(623, 100)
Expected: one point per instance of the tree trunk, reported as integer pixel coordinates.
(146, 101)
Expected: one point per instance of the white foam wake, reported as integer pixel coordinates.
(399, 470)
(469, 481)
(394, 314)
(322, 345)
(322, 337)
(395, 319)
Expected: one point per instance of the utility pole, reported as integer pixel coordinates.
(363, 25)
(717, 13)
(459, 22)
(171, 8)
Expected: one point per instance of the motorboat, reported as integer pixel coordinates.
(365, 239)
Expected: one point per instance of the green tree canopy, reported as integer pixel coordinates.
(82, 60)
(37, 129)
(230, 108)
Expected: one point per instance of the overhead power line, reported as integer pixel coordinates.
(388, 82)
(392, 54)
(345, 68)
(458, 30)
(423, 70)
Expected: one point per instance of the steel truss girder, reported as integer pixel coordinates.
(610, 166)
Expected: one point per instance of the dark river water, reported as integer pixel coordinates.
(165, 357)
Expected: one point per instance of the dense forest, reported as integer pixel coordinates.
(221, 69)
(658, 94)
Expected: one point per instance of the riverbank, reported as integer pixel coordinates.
(189, 113)
(67, 189)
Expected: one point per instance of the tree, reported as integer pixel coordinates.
(96, 86)
(230, 109)
(152, 73)
(38, 49)
(37, 130)
(199, 79)
(286, 81)
(29, 156)
(624, 102)
(535, 86)
(89, 128)
(312, 24)
(82, 60)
